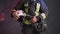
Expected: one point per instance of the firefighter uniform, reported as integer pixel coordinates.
(34, 8)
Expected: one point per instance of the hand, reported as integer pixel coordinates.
(17, 14)
(34, 19)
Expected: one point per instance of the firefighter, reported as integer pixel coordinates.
(37, 11)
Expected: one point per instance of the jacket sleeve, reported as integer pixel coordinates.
(44, 9)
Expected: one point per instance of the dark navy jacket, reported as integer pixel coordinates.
(42, 3)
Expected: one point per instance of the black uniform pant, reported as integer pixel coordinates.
(30, 29)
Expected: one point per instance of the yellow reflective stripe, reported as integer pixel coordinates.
(26, 4)
(43, 15)
(26, 10)
(37, 9)
(27, 22)
(36, 13)
(26, 7)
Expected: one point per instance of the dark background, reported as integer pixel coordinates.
(11, 26)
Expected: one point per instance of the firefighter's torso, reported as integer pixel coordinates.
(27, 4)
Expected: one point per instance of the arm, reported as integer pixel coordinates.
(44, 9)
(15, 11)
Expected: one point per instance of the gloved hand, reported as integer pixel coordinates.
(18, 13)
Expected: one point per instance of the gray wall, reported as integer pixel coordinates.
(53, 17)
